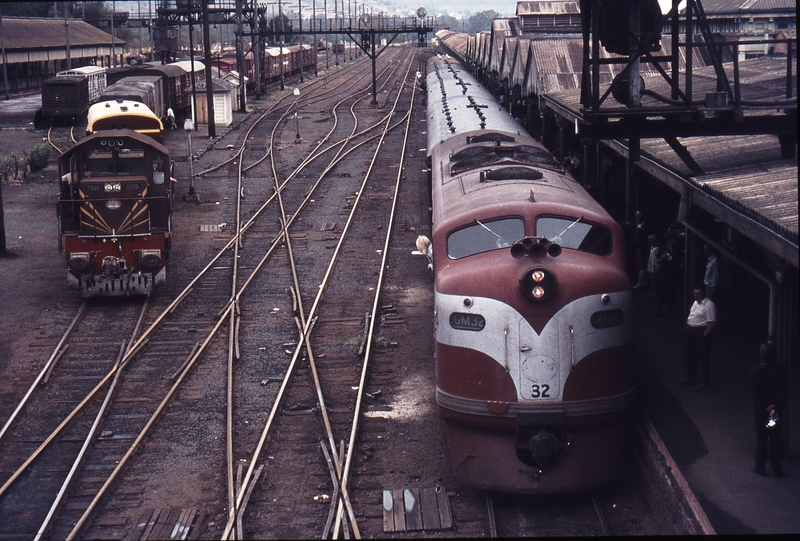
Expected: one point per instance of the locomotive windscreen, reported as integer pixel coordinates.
(484, 236)
(576, 235)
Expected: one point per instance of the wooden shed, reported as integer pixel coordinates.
(224, 100)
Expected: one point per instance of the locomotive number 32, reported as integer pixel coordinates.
(540, 391)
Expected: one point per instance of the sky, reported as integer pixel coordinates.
(455, 8)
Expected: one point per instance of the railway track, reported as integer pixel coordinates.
(61, 139)
(274, 325)
(83, 491)
(526, 516)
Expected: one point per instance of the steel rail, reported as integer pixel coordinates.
(145, 336)
(308, 101)
(376, 300)
(44, 370)
(50, 140)
(490, 514)
(284, 384)
(115, 370)
(66, 420)
(284, 235)
(90, 437)
(142, 340)
(81, 523)
(231, 341)
(600, 515)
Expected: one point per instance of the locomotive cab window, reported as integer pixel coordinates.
(98, 163)
(480, 237)
(130, 161)
(576, 234)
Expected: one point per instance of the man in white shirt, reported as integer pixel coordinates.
(699, 328)
(171, 119)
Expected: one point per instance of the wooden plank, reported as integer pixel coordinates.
(445, 515)
(138, 529)
(155, 532)
(172, 521)
(398, 510)
(412, 509)
(430, 509)
(163, 529)
(151, 524)
(171, 533)
(388, 511)
(181, 527)
(200, 525)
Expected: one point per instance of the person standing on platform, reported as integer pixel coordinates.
(711, 278)
(640, 249)
(668, 277)
(652, 264)
(699, 329)
(769, 387)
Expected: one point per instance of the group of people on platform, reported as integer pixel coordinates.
(658, 268)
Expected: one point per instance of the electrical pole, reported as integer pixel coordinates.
(240, 58)
(5, 58)
(66, 31)
(212, 127)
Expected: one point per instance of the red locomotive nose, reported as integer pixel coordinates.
(538, 284)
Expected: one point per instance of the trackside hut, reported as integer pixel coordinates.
(224, 98)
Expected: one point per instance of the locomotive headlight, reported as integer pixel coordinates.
(538, 284)
(113, 204)
(112, 187)
(79, 261)
(150, 258)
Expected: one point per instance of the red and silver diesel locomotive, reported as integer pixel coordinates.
(115, 213)
(532, 303)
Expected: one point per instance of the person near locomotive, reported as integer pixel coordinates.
(769, 389)
(699, 329)
(711, 278)
(668, 275)
(640, 249)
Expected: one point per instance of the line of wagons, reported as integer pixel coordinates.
(68, 96)
(294, 56)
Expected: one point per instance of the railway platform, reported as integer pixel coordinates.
(709, 433)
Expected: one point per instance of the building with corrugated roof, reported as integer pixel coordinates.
(36, 49)
(752, 20)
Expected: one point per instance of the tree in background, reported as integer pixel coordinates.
(477, 22)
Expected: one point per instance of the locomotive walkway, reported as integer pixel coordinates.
(709, 433)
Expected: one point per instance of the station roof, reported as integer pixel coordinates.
(743, 180)
(740, 6)
(21, 33)
(547, 7)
